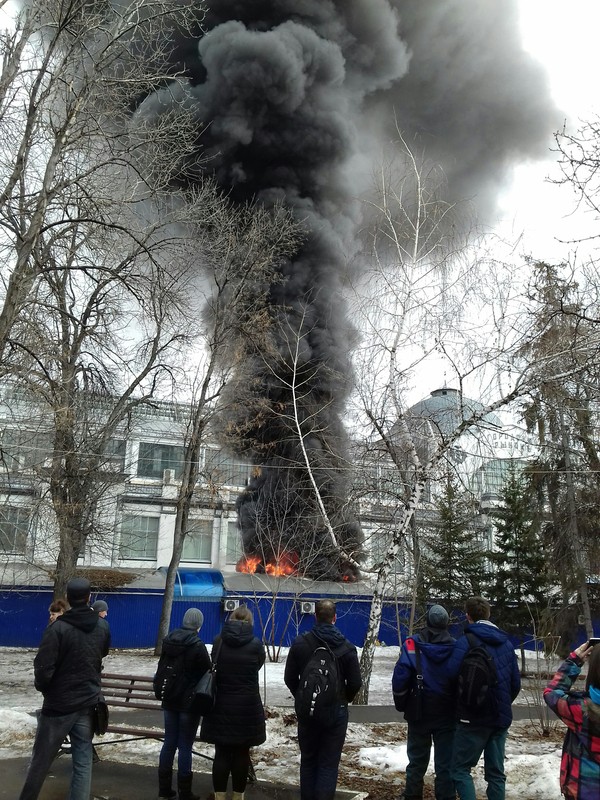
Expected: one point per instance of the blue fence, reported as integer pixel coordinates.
(134, 616)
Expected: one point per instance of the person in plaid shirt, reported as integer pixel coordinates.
(580, 711)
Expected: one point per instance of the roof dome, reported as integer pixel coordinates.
(446, 408)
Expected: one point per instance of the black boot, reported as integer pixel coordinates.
(165, 785)
(184, 787)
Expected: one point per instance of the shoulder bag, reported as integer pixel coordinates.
(411, 699)
(100, 717)
(206, 689)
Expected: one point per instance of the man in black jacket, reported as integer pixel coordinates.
(320, 746)
(67, 672)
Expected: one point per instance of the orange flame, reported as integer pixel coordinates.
(248, 564)
(286, 564)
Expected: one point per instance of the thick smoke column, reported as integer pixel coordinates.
(294, 101)
(282, 87)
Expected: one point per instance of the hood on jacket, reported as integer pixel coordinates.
(84, 618)
(435, 636)
(435, 649)
(329, 634)
(488, 633)
(178, 638)
(237, 633)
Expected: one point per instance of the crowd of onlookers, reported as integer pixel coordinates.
(456, 696)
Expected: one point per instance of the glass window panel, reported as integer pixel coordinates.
(14, 527)
(115, 453)
(378, 542)
(197, 545)
(234, 543)
(22, 449)
(224, 470)
(154, 459)
(139, 536)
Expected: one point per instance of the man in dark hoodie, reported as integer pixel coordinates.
(321, 747)
(67, 672)
(484, 732)
(433, 719)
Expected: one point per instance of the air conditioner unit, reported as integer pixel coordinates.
(231, 603)
(307, 607)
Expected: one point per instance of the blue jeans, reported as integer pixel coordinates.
(420, 737)
(469, 743)
(320, 753)
(180, 733)
(50, 734)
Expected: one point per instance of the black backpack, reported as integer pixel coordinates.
(170, 681)
(318, 697)
(477, 680)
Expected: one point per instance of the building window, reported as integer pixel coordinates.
(154, 459)
(139, 536)
(378, 542)
(23, 449)
(234, 543)
(197, 545)
(14, 527)
(114, 454)
(223, 470)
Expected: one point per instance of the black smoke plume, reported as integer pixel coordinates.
(295, 100)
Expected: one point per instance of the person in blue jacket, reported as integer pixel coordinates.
(432, 719)
(485, 732)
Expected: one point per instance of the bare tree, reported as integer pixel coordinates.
(72, 150)
(420, 311)
(101, 335)
(98, 248)
(562, 415)
(240, 255)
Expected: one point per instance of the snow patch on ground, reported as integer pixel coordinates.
(532, 763)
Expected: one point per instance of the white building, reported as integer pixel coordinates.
(134, 522)
(135, 518)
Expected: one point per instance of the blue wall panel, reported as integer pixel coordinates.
(134, 616)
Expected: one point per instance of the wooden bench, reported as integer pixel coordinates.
(137, 692)
(133, 692)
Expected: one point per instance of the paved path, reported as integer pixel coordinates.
(117, 781)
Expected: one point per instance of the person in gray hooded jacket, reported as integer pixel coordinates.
(182, 647)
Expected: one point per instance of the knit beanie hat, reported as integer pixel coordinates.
(78, 591)
(437, 617)
(193, 619)
(100, 605)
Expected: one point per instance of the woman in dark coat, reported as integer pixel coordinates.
(183, 649)
(237, 721)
